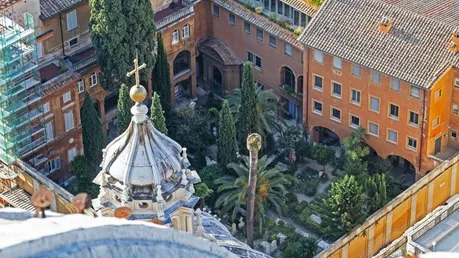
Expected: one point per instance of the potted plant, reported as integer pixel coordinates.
(259, 10)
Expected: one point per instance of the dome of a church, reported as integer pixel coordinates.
(142, 155)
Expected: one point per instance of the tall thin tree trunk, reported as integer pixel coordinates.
(254, 146)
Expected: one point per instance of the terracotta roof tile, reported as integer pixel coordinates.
(50, 8)
(222, 50)
(415, 49)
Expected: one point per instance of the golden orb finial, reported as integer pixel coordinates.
(138, 93)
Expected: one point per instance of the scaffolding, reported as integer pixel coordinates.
(21, 128)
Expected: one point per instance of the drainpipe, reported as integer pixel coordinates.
(62, 35)
(422, 129)
(306, 83)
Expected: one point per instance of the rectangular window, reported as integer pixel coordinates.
(296, 18)
(373, 129)
(354, 121)
(336, 89)
(375, 77)
(393, 111)
(318, 82)
(216, 10)
(287, 10)
(395, 84)
(415, 92)
(304, 20)
(185, 31)
(73, 42)
(175, 37)
(336, 114)
(46, 108)
(259, 34)
(272, 41)
(54, 165)
(317, 107)
(392, 136)
(80, 86)
(69, 122)
(414, 118)
(288, 49)
(247, 27)
(232, 19)
(72, 153)
(266, 4)
(374, 104)
(437, 94)
(249, 56)
(280, 7)
(356, 70)
(257, 62)
(412, 143)
(337, 63)
(273, 6)
(66, 97)
(93, 80)
(355, 97)
(49, 132)
(318, 56)
(455, 109)
(72, 20)
(435, 122)
(453, 134)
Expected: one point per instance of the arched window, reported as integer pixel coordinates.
(299, 88)
(287, 77)
(185, 31)
(182, 62)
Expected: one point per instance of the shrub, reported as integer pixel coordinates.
(298, 31)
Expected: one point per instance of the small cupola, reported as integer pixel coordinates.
(454, 44)
(385, 24)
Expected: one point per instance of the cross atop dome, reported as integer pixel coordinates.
(137, 92)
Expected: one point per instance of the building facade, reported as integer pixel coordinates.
(374, 76)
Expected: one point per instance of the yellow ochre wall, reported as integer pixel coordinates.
(390, 222)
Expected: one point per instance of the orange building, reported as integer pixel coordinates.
(389, 70)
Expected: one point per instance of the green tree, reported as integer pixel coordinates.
(161, 76)
(323, 155)
(355, 155)
(227, 145)
(375, 187)
(123, 114)
(305, 247)
(203, 192)
(93, 137)
(157, 114)
(343, 207)
(211, 173)
(270, 188)
(247, 118)
(266, 112)
(120, 30)
(84, 176)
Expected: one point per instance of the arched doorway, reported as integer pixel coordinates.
(403, 171)
(287, 78)
(97, 108)
(182, 63)
(217, 82)
(325, 136)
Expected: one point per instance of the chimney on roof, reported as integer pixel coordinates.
(385, 24)
(454, 44)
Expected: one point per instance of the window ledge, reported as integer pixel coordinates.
(317, 112)
(336, 119)
(180, 74)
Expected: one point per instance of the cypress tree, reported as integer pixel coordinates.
(247, 119)
(162, 77)
(120, 29)
(157, 114)
(343, 208)
(227, 145)
(375, 187)
(124, 115)
(93, 137)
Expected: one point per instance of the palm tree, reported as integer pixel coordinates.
(267, 108)
(270, 188)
